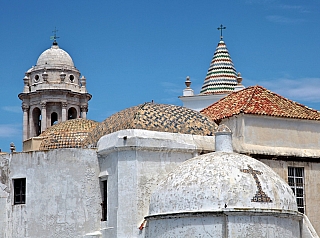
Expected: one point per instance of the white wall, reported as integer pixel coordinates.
(257, 134)
(135, 161)
(62, 194)
(224, 225)
(4, 191)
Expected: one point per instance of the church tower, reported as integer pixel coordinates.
(53, 92)
(221, 80)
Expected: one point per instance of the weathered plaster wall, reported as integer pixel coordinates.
(263, 226)
(283, 132)
(224, 225)
(135, 161)
(4, 191)
(274, 135)
(194, 226)
(312, 185)
(62, 194)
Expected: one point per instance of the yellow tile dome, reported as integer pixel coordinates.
(68, 134)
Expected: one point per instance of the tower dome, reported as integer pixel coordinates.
(54, 91)
(55, 57)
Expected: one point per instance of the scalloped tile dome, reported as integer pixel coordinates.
(67, 134)
(154, 117)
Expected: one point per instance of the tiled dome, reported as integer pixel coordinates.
(68, 134)
(221, 76)
(154, 117)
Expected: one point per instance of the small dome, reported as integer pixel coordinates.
(154, 117)
(220, 181)
(55, 57)
(67, 134)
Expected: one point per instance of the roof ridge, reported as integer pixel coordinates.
(250, 99)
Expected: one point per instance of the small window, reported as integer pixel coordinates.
(296, 182)
(19, 190)
(104, 199)
(71, 77)
(36, 78)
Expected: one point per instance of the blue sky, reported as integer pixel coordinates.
(133, 52)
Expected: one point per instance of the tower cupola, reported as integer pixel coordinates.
(54, 91)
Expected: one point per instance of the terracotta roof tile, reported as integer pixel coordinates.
(260, 101)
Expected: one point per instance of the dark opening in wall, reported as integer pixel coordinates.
(54, 118)
(19, 190)
(72, 113)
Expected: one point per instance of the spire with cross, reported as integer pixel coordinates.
(220, 29)
(54, 37)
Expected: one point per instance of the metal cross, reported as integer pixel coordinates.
(260, 195)
(221, 28)
(54, 37)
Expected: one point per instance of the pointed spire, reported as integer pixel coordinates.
(221, 76)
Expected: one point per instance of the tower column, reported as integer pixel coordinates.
(84, 110)
(25, 109)
(64, 111)
(43, 116)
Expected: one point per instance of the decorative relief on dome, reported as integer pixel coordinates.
(260, 195)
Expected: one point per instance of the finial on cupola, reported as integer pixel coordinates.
(54, 37)
(220, 29)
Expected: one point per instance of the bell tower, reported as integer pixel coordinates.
(53, 92)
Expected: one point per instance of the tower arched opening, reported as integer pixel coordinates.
(36, 116)
(72, 113)
(54, 118)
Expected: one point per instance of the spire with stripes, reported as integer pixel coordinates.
(221, 76)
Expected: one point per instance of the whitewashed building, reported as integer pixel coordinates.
(151, 170)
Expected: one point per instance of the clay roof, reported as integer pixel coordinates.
(154, 117)
(68, 134)
(260, 101)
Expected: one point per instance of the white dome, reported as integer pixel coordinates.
(220, 181)
(55, 57)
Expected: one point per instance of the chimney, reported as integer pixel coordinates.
(223, 139)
